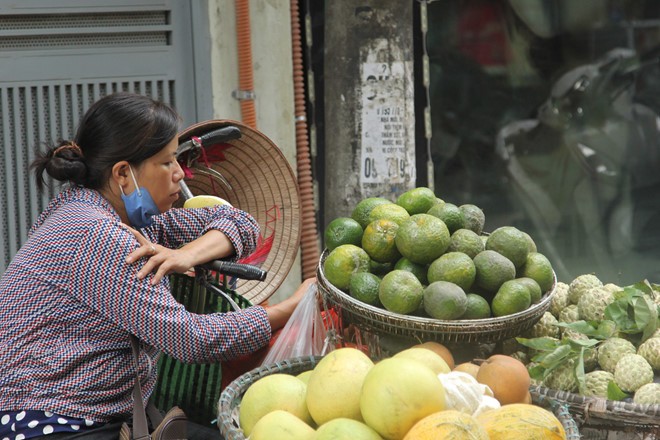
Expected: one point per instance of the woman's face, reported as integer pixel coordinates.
(160, 175)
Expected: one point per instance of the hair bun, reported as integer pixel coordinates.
(67, 150)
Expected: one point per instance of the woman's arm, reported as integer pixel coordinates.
(211, 246)
(280, 313)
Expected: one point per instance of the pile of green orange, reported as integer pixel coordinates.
(423, 256)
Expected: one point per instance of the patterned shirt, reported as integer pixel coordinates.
(68, 302)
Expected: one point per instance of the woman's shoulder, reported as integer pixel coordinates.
(78, 209)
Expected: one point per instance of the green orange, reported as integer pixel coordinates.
(493, 269)
(444, 300)
(510, 242)
(389, 211)
(400, 292)
(419, 270)
(363, 209)
(466, 241)
(364, 287)
(343, 262)
(422, 238)
(450, 214)
(378, 240)
(417, 200)
(455, 267)
(512, 297)
(342, 230)
(538, 267)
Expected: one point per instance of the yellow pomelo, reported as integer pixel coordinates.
(281, 425)
(427, 357)
(270, 393)
(520, 420)
(304, 376)
(345, 429)
(333, 389)
(440, 350)
(448, 424)
(204, 201)
(397, 393)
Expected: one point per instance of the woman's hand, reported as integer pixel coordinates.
(162, 260)
(280, 313)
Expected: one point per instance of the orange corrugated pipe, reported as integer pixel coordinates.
(245, 78)
(309, 246)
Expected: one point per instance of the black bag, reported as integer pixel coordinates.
(172, 426)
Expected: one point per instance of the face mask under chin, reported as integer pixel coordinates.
(139, 204)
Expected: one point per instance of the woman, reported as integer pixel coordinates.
(84, 281)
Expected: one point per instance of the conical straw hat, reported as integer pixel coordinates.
(262, 184)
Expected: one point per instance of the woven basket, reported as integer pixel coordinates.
(378, 320)
(195, 388)
(231, 398)
(598, 417)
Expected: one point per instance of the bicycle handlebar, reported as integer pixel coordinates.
(240, 270)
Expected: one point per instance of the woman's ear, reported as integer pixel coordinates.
(120, 176)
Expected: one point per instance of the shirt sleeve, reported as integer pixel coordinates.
(102, 280)
(179, 226)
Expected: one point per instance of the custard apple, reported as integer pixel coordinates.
(612, 350)
(650, 350)
(562, 378)
(569, 314)
(612, 288)
(595, 383)
(546, 326)
(559, 299)
(580, 285)
(648, 394)
(631, 372)
(592, 304)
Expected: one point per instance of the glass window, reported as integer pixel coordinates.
(545, 114)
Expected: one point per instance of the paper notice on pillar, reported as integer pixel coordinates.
(387, 126)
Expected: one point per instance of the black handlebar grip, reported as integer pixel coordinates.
(223, 134)
(243, 271)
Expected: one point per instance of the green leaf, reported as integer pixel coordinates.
(556, 357)
(579, 372)
(579, 326)
(614, 392)
(541, 344)
(643, 286)
(537, 372)
(577, 344)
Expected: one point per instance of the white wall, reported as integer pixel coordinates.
(270, 24)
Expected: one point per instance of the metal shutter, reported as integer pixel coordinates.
(56, 58)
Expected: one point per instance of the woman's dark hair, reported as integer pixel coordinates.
(121, 126)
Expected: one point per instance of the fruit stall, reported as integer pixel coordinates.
(440, 327)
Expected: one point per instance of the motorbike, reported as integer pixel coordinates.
(586, 171)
